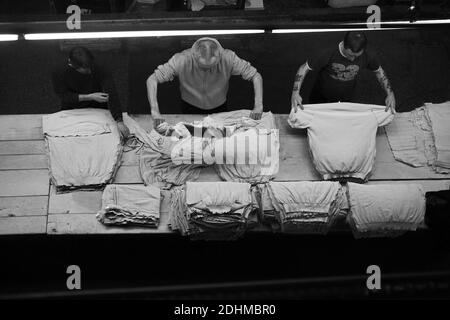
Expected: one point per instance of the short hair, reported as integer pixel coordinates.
(81, 57)
(355, 40)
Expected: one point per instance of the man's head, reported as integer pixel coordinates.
(354, 44)
(81, 59)
(207, 52)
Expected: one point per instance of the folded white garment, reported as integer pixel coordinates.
(78, 122)
(342, 136)
(83, 147)
(385, 210)
(218, 197)
(130, 205)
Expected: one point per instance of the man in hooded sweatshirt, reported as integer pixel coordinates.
(204, 71)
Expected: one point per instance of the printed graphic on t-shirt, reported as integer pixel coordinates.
(343, 73)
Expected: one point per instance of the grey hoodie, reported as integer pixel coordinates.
(204, 88)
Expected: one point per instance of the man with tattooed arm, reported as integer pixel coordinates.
(338, 70)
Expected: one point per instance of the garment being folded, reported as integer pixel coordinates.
(136, 205)
(240, 148)
(211, 210)
(342, 136)
(421, 137)
(302, 206)
(385, 210)
(83, 147)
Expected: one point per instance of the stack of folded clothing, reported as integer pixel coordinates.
(385, 210)
(302, 206)
(83, 147)
(134, 205)
(211, 210)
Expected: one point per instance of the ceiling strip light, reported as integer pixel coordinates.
(327, 30)
(9, 37)
(133, 34)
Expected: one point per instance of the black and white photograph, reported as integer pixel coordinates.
(224, 158)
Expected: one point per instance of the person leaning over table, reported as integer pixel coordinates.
(204, 71)
(85, 84)
(338, 70)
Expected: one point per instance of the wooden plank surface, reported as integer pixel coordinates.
(23, 206)
(25, 147)
(24, 183)
(23, 161)
(23, 225)
(81, 223)
(21, 127)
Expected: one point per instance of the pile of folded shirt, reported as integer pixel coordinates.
(302, 207)
(240, 148)
(211, 210)
(422, 137)
(385, 210)
(83, 147)
(130, 205)
(341, 136)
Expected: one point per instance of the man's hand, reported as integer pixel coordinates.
(99, 97)
(296, 101)
(390, 103)
(123, 129)
(258, 108)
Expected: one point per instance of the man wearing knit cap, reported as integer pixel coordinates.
(204, 71)
(338, 70)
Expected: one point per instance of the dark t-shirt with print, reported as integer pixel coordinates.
(337, 74)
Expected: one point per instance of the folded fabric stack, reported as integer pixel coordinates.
(385, 210)
(303, 206)
(422, 137)
(211, 210)
(341, 136)
(240, 148)
(83, 147)
(130, 205)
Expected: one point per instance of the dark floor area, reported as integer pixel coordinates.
(38, 263)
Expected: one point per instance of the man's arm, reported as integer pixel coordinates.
(296, 99)
(152, 94)
(385, 84)
(258, 88)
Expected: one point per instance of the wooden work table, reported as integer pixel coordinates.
(30, 205)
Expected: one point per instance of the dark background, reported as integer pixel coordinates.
(417, 62)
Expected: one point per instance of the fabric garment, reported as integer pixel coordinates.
(439, 115)
(134, 205)
(83, 147)
(342, 137)
(68, 83)
(187, 108)
(204, 88)
(212, 210)
(437, 215)
(302, 207)
(252, 142)
(421, 137)
(337, 74)
(240, 148)
(155, 158)
(385, 210)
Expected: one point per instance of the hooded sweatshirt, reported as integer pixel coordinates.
(204, 88)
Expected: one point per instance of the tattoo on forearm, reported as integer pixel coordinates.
(298, 82)
(384, 81)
